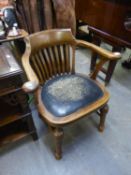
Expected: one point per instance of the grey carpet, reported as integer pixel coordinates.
(85, 150)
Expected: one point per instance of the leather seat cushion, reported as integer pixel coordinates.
(66, 94)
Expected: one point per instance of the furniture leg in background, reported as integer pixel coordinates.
(96, 39)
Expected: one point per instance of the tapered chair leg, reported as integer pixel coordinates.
(58, 135)
(103, 112)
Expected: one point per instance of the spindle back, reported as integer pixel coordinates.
(52, 53)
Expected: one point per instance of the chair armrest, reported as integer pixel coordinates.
(104, 53)
(105, 56)
(30, 86)
(33, 82)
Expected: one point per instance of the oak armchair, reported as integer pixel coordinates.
(63, 96)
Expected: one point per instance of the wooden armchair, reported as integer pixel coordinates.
(62, 95)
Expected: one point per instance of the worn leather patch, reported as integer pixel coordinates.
(66, 94)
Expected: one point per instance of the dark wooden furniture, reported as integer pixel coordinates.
(15, 116)
(97, 39)
(109, 21)
(62, 95)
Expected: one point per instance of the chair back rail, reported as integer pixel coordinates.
(52, 52)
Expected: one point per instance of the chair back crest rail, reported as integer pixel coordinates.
(52, 52)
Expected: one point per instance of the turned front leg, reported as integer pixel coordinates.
(58, 135)
(103, 113)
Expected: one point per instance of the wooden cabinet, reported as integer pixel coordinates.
(15, 116)
(108, 21)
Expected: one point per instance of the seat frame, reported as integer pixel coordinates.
(56, 124)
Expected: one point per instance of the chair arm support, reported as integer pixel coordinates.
(104, 53)
(30, 86)
(33, 82)
(105, 56)
(98, 67)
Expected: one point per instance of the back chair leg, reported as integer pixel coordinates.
(58, 135)
(103, 112)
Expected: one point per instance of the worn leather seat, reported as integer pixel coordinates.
(66, 94)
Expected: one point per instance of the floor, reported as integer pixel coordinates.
(85, 150)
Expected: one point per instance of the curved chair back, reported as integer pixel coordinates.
(52, 53)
